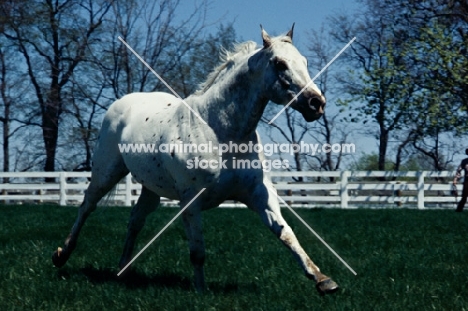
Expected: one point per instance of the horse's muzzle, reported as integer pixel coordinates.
(314, 108)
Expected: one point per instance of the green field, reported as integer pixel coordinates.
(405, 260)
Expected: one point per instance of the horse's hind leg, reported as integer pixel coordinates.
(103, 179)
(193, 228)
(147, 203)
(265, 203)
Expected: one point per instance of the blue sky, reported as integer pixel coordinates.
(277, 16)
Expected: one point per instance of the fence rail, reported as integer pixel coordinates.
(345, 189)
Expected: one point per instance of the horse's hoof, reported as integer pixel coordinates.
(59, 258)
(327, 286)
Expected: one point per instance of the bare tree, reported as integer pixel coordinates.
(330, 129)
(53, 38)
(11, 89)
(76, 66)
(151, 29)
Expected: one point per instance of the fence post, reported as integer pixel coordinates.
(344, 189)
(421, 189)
(128, 190)
(63, 189)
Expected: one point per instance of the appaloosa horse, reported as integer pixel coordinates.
(231, 102)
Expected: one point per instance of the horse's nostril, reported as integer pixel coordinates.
(316, 104)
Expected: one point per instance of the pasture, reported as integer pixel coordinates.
(405, 259)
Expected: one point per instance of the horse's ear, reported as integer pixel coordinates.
(266, 38)
(290, 32)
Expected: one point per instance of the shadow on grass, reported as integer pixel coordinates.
(136, 280)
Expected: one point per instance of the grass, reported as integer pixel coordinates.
(405, 259)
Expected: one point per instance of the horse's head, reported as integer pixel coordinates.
(286, 75)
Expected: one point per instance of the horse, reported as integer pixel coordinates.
(225, 110)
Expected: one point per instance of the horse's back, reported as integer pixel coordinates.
(120, 118)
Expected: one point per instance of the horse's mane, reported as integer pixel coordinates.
(227, 58)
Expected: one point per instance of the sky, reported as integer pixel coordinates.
(277, 16)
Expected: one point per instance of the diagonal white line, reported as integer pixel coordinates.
(313, 231)
(160, 78)
(312, 81)
(160, 232)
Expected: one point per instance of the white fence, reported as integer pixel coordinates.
(343, 189)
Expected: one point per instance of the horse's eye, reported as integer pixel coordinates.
(280, 64)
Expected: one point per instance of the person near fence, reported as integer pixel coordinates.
(462, 167)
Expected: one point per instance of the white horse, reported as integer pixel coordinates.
(231, 103)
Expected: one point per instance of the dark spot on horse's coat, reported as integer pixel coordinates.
(159, 164)
(188, 135)
(179, 136)
(182, 117)
(161, 121)
(169, 104)
(146, 119)
(154, 158)
(168, 120)
(160, 137)
(194, 178)
(154, 135)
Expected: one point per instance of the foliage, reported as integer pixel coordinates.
(368, 162)
(405, 259)
(408, 72)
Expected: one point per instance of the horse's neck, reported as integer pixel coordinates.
(233, 107)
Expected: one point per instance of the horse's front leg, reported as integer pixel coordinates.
(193, 228)
(265, 202)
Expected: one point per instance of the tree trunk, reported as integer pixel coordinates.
(383, 144)
(50, 128)
(6, 118)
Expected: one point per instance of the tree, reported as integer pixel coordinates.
(53, 37)
(77, 66)
(409, 69)
(150, 28)
(376, 76)
(437, 34)
(328, 129)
